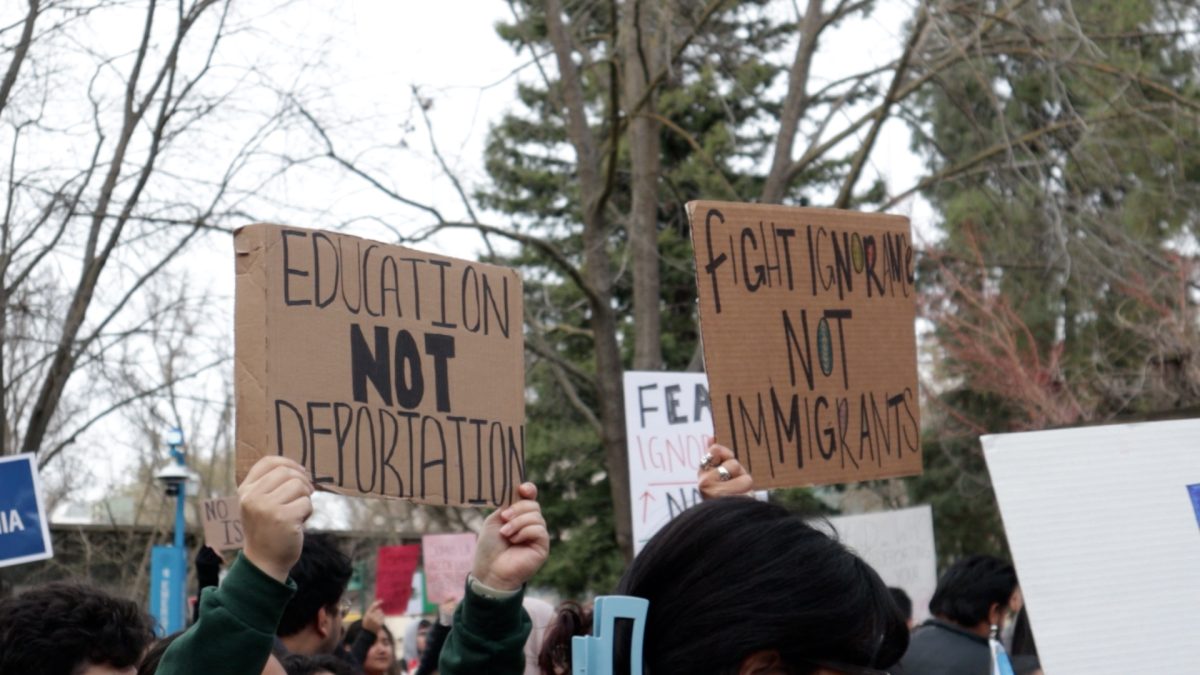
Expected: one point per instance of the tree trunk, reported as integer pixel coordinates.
(639, 37)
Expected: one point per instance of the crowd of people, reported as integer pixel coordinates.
(734, 585)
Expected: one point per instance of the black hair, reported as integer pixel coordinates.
(299, 664)
(355, 628)
(321, 575)
(734, 576)
(903, 602)
(60, 626)
(968, 589)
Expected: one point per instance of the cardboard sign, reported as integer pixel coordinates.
(809, 343)
(448, 559)
(383, 370)
(24, 529)
(899, 546)
(668, 425)
(1103, 534)
(394, 570)
(222, 523)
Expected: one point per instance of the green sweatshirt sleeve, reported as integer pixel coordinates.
(237, 624)
(488, 636)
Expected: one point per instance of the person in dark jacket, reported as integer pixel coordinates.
(972, 596)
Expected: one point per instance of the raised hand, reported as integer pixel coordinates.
(513, 544)
(721, 475)
(373, 619)
(275, 500)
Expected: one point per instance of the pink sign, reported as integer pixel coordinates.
(448, 560)
(393, 576)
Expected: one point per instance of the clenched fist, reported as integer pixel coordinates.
(513, 544)
(276, 500)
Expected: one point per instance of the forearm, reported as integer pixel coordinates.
(488, 635)
(236, 629)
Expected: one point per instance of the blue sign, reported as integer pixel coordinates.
(1194, 492)
(168, 570)
(24, 529)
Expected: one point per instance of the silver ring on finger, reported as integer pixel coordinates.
(708, 459)
(723, 474)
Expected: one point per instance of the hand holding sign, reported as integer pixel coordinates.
(275, 502)
(513, 545)
(713, 483)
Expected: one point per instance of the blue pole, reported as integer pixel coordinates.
(180, 579)
(179, 521)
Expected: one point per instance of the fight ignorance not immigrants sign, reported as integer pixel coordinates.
(807, 317)
(383, 370)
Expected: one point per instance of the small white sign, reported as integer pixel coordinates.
(1105, 539)
(899, 545)
(668, 423)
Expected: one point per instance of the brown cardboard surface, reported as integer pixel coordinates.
(807, 318)
(222, 523)
(331, 334)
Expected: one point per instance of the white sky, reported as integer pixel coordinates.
(360, 60)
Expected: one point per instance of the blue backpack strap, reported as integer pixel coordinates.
(593, 655)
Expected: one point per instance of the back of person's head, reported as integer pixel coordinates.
(903, 602)
(153, 656)
(734, 578)
(322, 664)
(321, 575)
(570, 620)
(65, 627)
(967, 591)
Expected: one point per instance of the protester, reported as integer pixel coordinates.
(379, 657)
(972, 597)
(312, 622)
(72, 629)
(571, 619)
(739, 585)
(435, 639)
(490, 626)
(365, 636)
(420, 640)
(904, 603)
(541, 615)
(236, 630)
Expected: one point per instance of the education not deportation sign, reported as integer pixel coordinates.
(809, 342)
(383, 370)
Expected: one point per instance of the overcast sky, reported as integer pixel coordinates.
(359, 61)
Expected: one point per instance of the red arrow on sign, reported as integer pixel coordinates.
(646, 497)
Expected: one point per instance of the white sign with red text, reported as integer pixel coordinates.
(668, 423)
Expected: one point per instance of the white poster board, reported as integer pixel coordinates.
(668, 424)
(1106, 543)
(899, 545)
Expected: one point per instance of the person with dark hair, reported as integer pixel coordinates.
(312, 621)
(737, 585)
(490, 626)
(903, 603)
(570, 620)
(379, 657)
(320, 664)
(71, 629)
(970, 601)
(236, 629)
